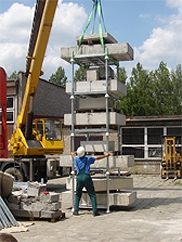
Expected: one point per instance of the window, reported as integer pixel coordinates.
(154, 135)
(176, 132)
(10, 110)
(138, 152)
(155, 152)
(133, 135)
(53, 130)
(10, 102)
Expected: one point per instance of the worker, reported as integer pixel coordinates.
(84, 179)
(51, 134)
(6, 237)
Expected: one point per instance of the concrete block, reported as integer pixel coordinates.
(87, 119)
(47, 206)
(102, 73)
(94, 103)
(118, 51)
(6, 184)
(50, 214)
(53, 206)
(92, 74)
(26, 206)
(66, 199)
(99, 73)
(26, 213)
(115, 183)
(95, 38)
(97, 146)
(124, 198)
(13, 206)
(14, 199)
(51, 197)
(118, 161)
(115, 87)
(33, 189)
(101, 199)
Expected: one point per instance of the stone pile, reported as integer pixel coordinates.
(35, 202)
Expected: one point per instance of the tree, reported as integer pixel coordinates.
(13, 76)
(122, 76)
(162, 90)
(138, 100)
(176, 77)
(59, 77)
(156, 93)
(80, 74)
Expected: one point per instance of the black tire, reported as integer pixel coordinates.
(18, 175)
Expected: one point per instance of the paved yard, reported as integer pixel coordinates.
(156, 216)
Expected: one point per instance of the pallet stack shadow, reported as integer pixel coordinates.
(95, 113)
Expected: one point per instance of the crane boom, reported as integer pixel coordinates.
(43, 19)
(31, 138)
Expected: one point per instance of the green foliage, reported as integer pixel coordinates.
(59, 77)
(13, 76)
(122, 76)
(80, 74)
(176, 78)
(157, 92)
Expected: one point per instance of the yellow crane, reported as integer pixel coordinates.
(35, 138)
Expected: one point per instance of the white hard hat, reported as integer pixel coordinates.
(80, 151)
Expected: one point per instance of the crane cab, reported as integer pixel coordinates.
(49, 133)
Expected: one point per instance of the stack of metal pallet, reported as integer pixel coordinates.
(7, 219)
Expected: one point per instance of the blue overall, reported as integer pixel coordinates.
(84, 180)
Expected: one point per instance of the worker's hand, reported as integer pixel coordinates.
(73, 154)
(107, 154)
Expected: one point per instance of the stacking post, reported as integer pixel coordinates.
(72, 127)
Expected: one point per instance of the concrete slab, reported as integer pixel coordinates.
(51, 197)
(99, 73)
(42, 206)
(6, 184)
(118, 51)
(95, 38)
(88, 118)
(94, 103)
(66, 199)
(26, 213)
(118, 161)
(50, 214)
(122, 198)
(97, 146)
(115, 183)
(115, 87)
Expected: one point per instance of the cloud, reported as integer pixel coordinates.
(165, 42)
(16, 27)
(175, 4)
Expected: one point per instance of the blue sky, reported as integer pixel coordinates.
(152, 28)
